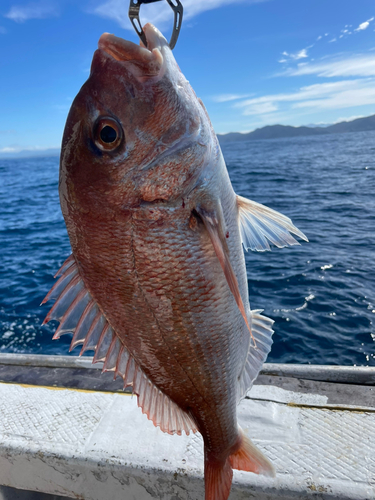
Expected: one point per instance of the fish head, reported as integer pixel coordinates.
(136, 131)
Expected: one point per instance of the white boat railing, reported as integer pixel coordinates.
(363, 375)
(96, 445)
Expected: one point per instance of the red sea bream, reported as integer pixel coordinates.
(156, 283)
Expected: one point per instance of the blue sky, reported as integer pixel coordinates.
(253, 63)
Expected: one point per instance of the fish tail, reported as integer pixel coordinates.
(217, 478)
(218, 474)
(247, 457)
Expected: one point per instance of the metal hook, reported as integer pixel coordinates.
(177, 8)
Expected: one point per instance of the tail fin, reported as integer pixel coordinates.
(218, 475)
(217, 479)
(249, 458)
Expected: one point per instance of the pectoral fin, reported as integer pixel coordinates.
(260, 224)
(214, 223)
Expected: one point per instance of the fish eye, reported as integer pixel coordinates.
(108, 133)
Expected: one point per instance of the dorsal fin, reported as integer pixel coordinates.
(260, 224)
(262, 331)
(79, 314)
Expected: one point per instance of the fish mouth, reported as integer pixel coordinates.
(148, 61)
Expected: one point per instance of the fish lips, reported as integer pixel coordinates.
(144, 63)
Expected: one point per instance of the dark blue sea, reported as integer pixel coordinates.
(320, 294)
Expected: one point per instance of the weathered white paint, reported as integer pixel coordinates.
(99, 445)
(279, 395)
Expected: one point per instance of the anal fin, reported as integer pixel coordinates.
(78, 313)
(156, 405)
(257, 355)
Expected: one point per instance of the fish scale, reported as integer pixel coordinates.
(156, 284)
(127, 295)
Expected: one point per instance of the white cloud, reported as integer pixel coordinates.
(9, 150)
(361, 96)
(344, 32)
(332, 95)
(321, 97)
(306, 92)
(228, 97)
(36, 10)
(364, 25)
(354, 65)
(348, 118)
(299, 55)
(160, 14)
(260, 108)
(18, 149)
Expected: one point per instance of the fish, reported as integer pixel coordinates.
(156, 283)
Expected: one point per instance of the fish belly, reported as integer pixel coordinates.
(157, 279)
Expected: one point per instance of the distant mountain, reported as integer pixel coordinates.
(278, 131)
(31, 153)
(358, 125)
(318, 125)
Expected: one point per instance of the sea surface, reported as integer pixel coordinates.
(320, 294)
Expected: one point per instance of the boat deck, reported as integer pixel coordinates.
(67, 431)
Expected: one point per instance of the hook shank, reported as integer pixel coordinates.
(177, 8)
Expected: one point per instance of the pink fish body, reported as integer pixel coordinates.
(156, 284)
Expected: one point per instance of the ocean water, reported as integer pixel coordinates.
(320, 294)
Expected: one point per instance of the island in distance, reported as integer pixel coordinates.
(268, 132)
(279, 131)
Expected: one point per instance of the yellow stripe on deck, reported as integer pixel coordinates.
(56, 388)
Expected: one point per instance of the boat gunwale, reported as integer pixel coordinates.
(357, 375)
